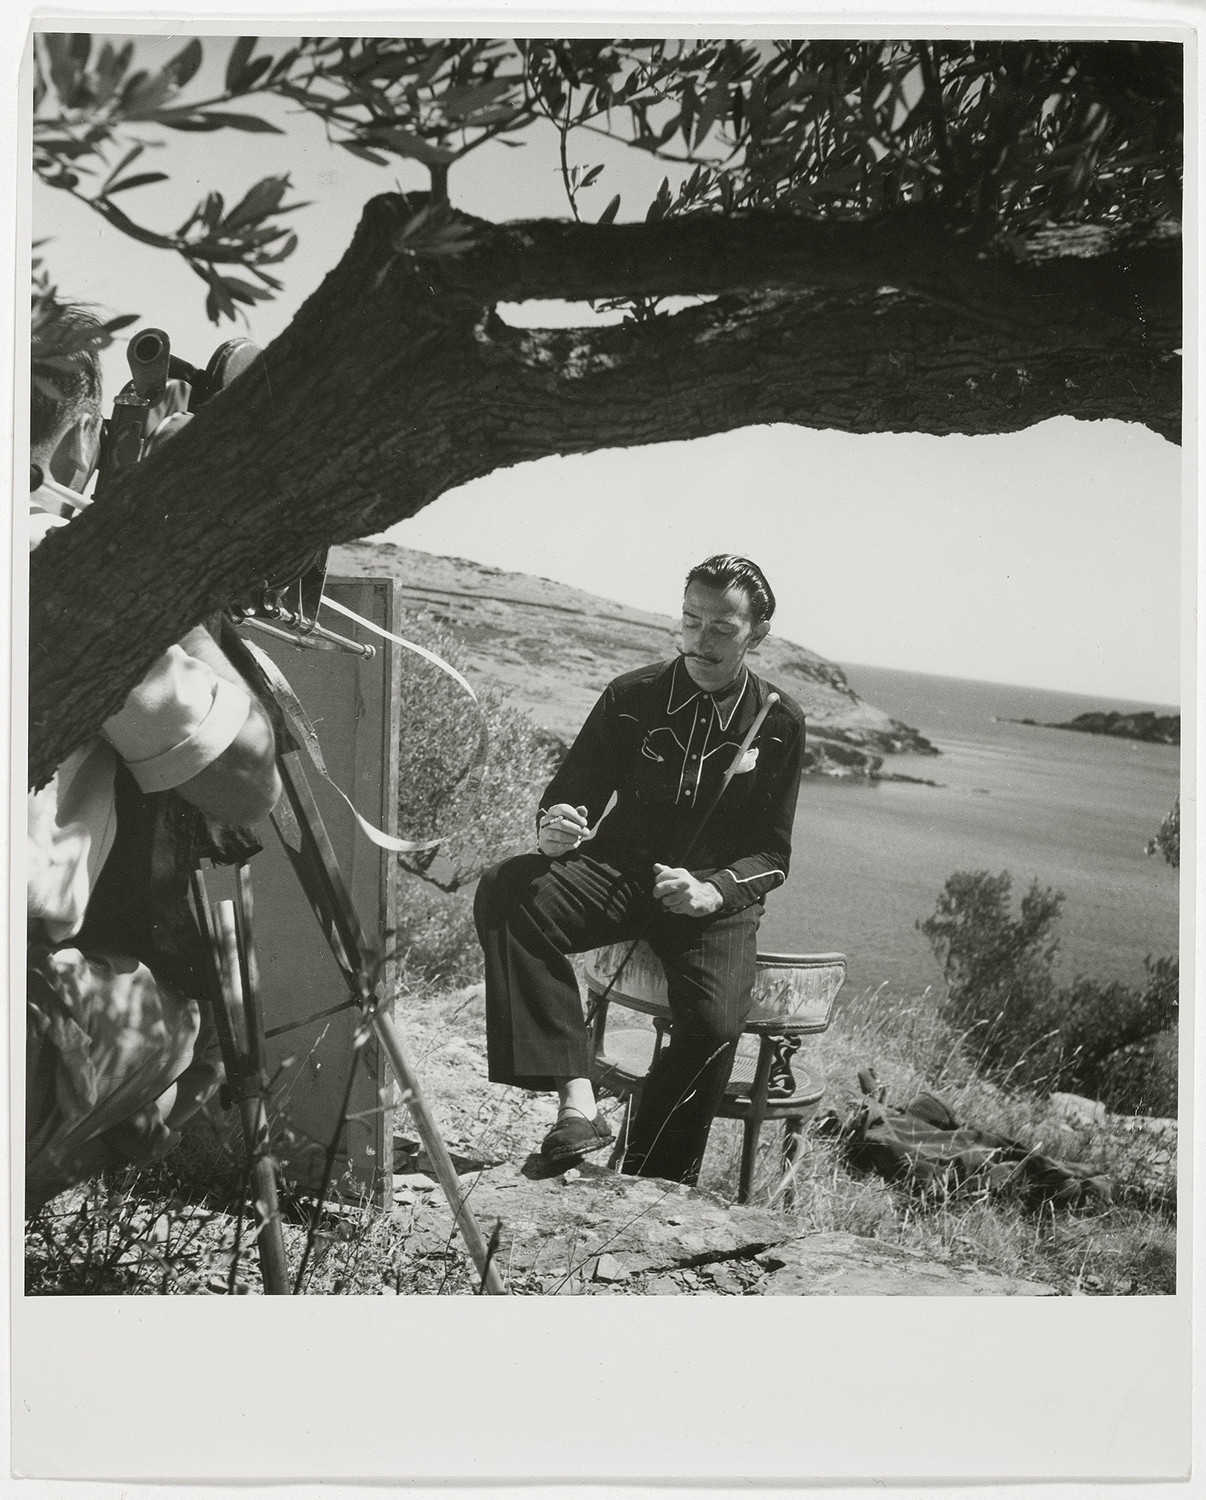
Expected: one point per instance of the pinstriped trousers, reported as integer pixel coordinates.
(532, 911)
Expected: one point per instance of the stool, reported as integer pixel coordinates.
(793, 998)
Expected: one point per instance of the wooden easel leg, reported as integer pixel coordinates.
(308, 847)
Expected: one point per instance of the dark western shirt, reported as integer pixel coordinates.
(661, 745)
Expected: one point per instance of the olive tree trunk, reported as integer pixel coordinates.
(398, 381)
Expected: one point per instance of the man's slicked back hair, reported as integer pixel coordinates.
(726, 570)
(67, 356)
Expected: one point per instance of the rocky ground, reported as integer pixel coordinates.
(590, 1231)
(552, 649)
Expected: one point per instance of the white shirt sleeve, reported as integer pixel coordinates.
(177, 721)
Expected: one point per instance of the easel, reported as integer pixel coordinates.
(237, 1014)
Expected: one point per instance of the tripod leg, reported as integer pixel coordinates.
(247, 1084)
(437, 1152)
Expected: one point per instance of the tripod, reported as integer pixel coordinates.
(237, 1015)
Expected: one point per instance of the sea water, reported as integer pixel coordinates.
(1072, 811)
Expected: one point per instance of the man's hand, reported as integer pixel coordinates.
(561, 829)
(679, 891)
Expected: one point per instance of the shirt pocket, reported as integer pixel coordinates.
(657, 767)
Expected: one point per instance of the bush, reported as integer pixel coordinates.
(998, 969)
(437, 941)
(1168, 837)
(1107, 1041)
(479, 815)
(1120, 1044)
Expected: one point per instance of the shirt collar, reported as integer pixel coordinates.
(684, 690)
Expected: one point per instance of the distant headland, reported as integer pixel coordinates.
(1156, 729)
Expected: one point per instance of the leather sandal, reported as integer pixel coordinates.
(574, 1137)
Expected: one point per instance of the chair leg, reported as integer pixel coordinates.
(752, 1126)
(793, 1141)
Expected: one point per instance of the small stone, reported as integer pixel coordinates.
(159, 1230)
(571, 1174)
(608, 1268)
(418, 1182)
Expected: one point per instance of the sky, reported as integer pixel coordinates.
(1048, 558)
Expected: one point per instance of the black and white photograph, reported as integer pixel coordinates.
(608, 621)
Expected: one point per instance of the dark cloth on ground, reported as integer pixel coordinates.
(925, 1146)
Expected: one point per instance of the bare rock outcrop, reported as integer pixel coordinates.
(592, 1232)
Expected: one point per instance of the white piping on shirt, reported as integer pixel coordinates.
(745, 879)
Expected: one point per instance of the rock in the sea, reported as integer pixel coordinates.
(1156, 729)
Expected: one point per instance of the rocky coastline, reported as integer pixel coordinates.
(1153, 728)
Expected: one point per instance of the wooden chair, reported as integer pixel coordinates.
(793, 998)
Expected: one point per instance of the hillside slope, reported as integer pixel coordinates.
(552, 649)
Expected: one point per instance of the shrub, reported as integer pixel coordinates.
(480, 816)
(1168, 837)
(437, 941)
(1103, 1040)
(1116, 1041)
(998, 969)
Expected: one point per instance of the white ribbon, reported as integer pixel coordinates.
(436, 661)
(309, 739)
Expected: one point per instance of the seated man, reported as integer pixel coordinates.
(660, 739)
(110, 1067)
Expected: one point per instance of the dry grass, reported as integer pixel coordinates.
(181, 1228)
(1128, 1247)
